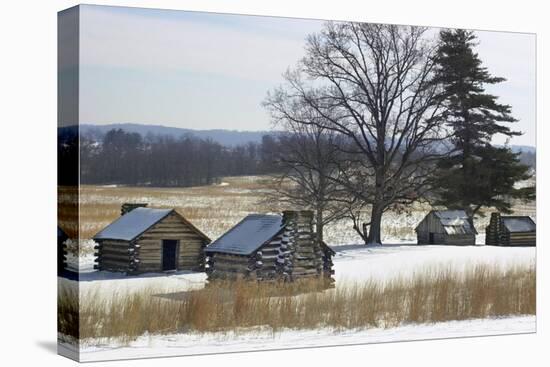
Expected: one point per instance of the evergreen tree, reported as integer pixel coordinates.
(476, 174)
(492, 182)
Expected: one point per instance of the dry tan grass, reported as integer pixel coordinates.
(431, 295)
(216, 208)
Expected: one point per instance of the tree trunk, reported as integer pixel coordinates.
(319, 225)
(377, 206)
(375, 231)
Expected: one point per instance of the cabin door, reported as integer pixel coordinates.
(431, 241)
(169, 254)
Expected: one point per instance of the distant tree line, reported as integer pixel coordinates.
(121, 157)
(129, 158)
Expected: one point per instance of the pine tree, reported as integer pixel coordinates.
(476, 174)
(492, 182)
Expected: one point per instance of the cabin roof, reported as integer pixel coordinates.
(454, 222)
(132, 224)
(248, 235)
(519, 224)
(450, 215)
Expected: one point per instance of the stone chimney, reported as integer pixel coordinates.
(128, 207)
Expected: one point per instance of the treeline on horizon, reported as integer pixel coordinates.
(128, 158)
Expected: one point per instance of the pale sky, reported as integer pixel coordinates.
(212, 71)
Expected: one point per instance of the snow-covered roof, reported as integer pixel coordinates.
(132, 224)
(519, 224)
(248, 235)
(451, 214)
(455, 221)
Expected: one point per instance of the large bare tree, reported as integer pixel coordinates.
(372, 85)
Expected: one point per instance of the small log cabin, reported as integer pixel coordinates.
(61, 250)
(511, 231)
(150, 240)
(446, 227)
(270, 247)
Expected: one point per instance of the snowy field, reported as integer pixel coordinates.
(358, 262)
(353, 263)
(189, 344)
(214, 209)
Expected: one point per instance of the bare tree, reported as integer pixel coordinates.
(371, 84)
(308, 158)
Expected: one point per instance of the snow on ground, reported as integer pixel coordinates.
(189, 344)
(352, 263)
(358, 262)
(107, 284)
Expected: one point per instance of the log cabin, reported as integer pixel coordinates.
(270, 247)
(446, 227)
(61, 250)
(511, 231)
(150, 240)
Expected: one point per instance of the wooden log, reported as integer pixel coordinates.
(233, 266)
(119, 244)
(221, 256)
(109, 257)
(117, 251)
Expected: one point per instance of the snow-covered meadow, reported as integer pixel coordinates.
(214, 209)
(239, 341)
(353, 264)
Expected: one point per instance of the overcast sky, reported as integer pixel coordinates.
(211, 71)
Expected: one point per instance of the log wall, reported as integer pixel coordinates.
(231, 267)
(518, 239)
(430, 223)
(115, 255)
(191, 245)
(460, 240)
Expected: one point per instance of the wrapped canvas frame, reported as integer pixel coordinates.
(285, 255)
